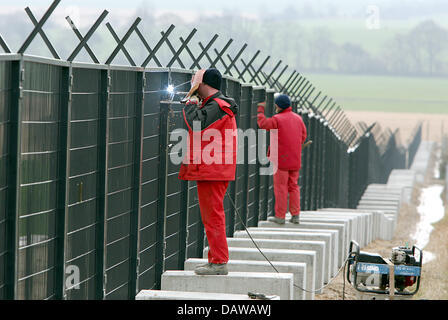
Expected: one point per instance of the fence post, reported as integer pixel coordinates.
(307, 170)
(134, 247)
(64, 173)
(103, 138)
(163, 171)
(258, 96)
(231, 88)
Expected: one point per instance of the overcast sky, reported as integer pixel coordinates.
(203, 5)
(199, 5)
(163, 5)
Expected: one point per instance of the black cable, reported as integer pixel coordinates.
(343, 286)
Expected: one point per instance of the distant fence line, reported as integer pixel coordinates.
(85, 178)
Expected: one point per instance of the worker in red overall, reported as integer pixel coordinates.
(291, 134)
(211, 160)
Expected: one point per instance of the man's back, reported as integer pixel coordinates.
(291, 136)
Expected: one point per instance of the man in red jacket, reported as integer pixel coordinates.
(211, 160)
(290, 136)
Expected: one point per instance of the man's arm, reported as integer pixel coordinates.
(193, 113)
(263, 122)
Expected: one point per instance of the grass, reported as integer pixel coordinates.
(385, 93)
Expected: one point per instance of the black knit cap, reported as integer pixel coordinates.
(213, 78)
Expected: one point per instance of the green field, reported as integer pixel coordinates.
(374, 41)
(384, 93)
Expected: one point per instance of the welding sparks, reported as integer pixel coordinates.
(170, 89)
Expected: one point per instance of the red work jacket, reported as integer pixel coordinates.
(211, 150)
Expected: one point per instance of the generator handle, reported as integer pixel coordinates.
(354, 243)
(420, 254)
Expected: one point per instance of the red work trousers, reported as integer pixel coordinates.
(286, 182)
(211, 196)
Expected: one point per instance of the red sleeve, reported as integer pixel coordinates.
(265, 123)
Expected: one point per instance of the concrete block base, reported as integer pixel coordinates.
(185, 295)
(279, 284)
(305, 256)
(298, 270)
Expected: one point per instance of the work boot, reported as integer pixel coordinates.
(294, 219)
(211, 269)
(276, 220)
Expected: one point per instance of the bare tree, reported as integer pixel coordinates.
(429, 39)
(320, 48)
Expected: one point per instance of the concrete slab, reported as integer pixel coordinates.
(348, 227)
(394, 202)
(186, 295)
(305, 256)
(360, 231)
(393, 207)
(366, 221)
(378, 207)
(421, 160)
(386, 194)
(279, 284)
(343, 241)
(379, 186)
(322, 265)
(385, 228)
(391, 191)
(398, 199)
(335, 234)
(372, 214)
(298, 269)
(407, 194)
(328, 236)
(376, 196)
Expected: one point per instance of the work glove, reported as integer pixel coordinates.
(193, 101)
(260, 107)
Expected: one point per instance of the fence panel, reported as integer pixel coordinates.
(151, 222)
(359, 171)
(413, 145)
(176, 190)
(323, 163)
(84, 241)
(269, 112)
(304, 172)
(266, 187)
(123, 144)
(175, 214)
(40, 184)
(242, 175)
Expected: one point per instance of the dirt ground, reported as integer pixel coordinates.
(434, 280)
(433, 124)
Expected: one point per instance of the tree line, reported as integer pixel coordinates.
(421, 51)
